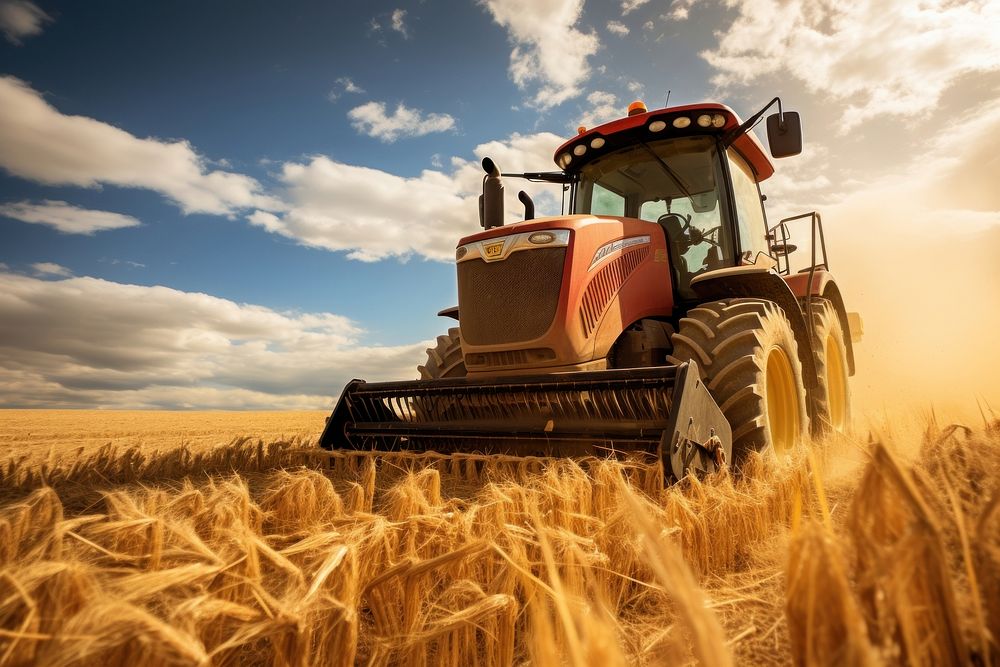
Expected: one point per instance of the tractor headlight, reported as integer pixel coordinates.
(704, 120)
(681, 122)
(541, 238)
(718, 120)
(565, 159)
(657, 126)
(461, 252)
(579, 149)
(597, 142)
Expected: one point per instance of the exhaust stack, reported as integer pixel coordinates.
(491, 201)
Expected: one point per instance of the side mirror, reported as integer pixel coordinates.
(784, 134)
(491, 201)
(783, 249)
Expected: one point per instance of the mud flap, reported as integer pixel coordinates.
(698, 438)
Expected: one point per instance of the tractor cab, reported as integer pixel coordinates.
(672, 183)
(694, 171)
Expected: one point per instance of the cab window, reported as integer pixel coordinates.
(705, 218)
(749, 209)
(673, 183)
(607, 202)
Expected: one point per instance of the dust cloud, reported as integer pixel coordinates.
(930, 299)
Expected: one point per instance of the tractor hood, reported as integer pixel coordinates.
(557, 292)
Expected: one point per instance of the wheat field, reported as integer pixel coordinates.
(875, 549)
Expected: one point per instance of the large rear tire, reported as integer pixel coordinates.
(445, 360)
(748, 357)
(833, 394)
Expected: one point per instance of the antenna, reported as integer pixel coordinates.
(667, 103)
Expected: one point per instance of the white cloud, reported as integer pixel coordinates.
(617, 28)
(44, 145)
(66, 217)
(127, 262)
(344, 85)
(398, 22)
(548, 49)
(680, 10)
(603, 107)
(85, 342)
(349, 85)
(648, 26)
(371, 119)
(20, 19)
(635, 87)
(629, 6)
(43, 269)
(376, 215)
(885, 57)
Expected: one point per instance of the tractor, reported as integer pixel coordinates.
(659, 314)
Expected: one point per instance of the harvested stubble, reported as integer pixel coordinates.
(281, 554)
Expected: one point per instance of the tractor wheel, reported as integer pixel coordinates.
(748, 357)
(833, 395)
(445, 360)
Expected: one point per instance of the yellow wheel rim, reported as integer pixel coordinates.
(783, 417)
(836, 385)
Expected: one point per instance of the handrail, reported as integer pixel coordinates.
(816, 224)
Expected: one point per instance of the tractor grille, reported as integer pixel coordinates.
(512, 300)
(606, 284)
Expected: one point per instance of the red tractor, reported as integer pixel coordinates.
(659, 315)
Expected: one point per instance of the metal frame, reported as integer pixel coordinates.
(816, 225)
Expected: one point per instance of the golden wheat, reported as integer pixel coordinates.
(283, 554)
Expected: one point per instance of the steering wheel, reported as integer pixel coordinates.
(680, 226)
(697, 236)
(677, 226)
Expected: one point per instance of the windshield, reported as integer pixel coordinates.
(672, 182)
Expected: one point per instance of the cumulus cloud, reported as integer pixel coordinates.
(629, 6)
(398, 22)
(548, 48)
(603, 106)
(66, 217)
(375, 215)
(372, 119)
(43, 145)
(20, 19)
(618, 28)
(679, 10)
(43, 269)
(344, 85)
(890, 57)
(84, 342)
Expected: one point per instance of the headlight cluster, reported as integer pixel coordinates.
(706, 120)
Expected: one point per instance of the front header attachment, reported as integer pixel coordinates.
(664, 412)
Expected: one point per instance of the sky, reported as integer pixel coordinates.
(244, 205)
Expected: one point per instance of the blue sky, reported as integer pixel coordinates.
(241, 205)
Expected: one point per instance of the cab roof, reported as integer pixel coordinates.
(630, 130)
